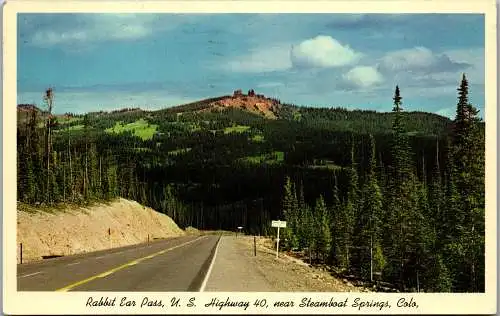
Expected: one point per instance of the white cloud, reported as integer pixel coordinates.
(363, 76)
(408, 58)
(419, 59)
(96, 28)
(264, 59)
(323, 51)
(319, 52)
(422, 72)
(474, 57)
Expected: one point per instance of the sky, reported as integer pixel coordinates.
(108, 61)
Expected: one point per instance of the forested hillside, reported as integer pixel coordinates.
(405, 189)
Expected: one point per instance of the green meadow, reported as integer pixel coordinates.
(268, 158)
(236, 129)
(140, 128)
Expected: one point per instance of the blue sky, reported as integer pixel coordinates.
(109, 61)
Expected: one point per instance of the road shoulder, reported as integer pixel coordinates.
(236, 269)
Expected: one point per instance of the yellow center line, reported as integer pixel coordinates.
(123, 266)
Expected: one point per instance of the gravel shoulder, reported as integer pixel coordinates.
(237, 269)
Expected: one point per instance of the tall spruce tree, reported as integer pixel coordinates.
(310, 231)
(351, 208)
(466, 246)
(111, 183)
(370, 220)
(436, 198)
(323, 243)
(289, 209)
(304, 222)
(402, 207)
(346, 219)
(294, 219)
(336, 227)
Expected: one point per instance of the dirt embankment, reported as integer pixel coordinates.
(291, 274)
(103, 226)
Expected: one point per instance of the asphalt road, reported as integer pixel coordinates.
(176, 264)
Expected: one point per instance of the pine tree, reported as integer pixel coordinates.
(25, 176)
(31, 153)
(54, 192)
(323, 242)
(335, 224)
(93, 171)
(438, 277)
(294, 219)
(345, 221)
(402, 216)
(467, 177)
(309, 230)
(31, 185)
(111, 176)
(436, 200)
(347, 214)
(450, 225)
(70, 181)
(304, 222)
(400, 150)
(289, 205)
(422, 240)
(48, 98)
(370, 220)
(21, 185)
(142, 193)
(168, 202)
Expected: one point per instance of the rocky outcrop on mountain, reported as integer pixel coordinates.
(255, 103)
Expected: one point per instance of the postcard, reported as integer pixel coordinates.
(249, 157)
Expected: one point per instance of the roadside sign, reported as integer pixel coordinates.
(281, 224)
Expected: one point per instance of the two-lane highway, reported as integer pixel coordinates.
(176, 264)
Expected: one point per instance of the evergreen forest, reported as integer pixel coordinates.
(396, 196)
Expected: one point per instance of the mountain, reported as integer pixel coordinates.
(240, 108)
(251, 102)
(24, 111)
(27, 107)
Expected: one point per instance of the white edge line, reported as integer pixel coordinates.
(207, 276)
(27, 275)
(74, 263)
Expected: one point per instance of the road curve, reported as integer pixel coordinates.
(175, 264)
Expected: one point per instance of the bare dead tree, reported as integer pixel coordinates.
(49, 99)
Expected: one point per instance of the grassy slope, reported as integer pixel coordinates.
(139, 128)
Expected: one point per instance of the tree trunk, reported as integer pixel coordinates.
(100, 176)
(64, 181)
(85, 179)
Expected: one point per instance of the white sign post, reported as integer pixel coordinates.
(278, 224)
